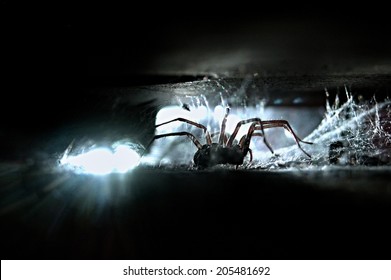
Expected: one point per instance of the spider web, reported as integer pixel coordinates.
(361, 131)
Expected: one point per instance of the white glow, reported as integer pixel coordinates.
(218, 113)
(232, 121)
(124, 159)
(103, 161)
(200, 113)
(170, 112)
(167, 114)
(173, 112)
(96, 161)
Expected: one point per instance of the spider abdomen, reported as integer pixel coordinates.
(210, 155)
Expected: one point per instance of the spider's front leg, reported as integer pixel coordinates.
(183, 133)
(207, 135)
(255, 121)
(222, 131)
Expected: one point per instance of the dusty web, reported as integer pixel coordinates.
(353, 133)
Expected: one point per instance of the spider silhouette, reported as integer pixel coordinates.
(225, 151)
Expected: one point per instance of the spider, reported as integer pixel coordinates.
(225, 151)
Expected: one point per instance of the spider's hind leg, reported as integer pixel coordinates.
(244, 142)
(285, 124)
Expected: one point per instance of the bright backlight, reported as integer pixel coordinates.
(102, 161)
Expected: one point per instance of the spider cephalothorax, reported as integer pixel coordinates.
(225, 151)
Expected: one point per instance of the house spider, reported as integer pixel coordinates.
(225, 151)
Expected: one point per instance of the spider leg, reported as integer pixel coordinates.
(286, 125)
(264, 140)
(207, 135)
(218, 133)
(239, 124)
(249, 150)
(254, 134)
(251, 154)
(242, 140)
(245, 141)
(183, 133)
(223, 124)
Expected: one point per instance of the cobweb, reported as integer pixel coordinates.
(354, 133)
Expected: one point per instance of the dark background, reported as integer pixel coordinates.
(54, 56)
(57, 60)
(64, 49)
